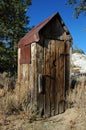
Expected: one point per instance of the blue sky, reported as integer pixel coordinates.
(40, 10)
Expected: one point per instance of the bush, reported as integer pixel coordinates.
(77, 50)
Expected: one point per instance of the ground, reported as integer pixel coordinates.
(73, 119)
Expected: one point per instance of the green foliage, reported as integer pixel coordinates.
(79, 6)
(8, 61)
(13, 26)
(77, 50)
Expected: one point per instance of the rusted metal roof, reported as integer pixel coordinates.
(33, 35)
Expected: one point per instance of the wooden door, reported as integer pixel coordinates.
(53, 64)
(54, 72)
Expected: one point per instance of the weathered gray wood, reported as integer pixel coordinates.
(40, 71)
(52, 76)
(57, 74)
(67, 65)
(34, 77)
(40, 83)
(47, 77)
(60, 77)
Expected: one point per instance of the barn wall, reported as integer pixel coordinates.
(45, 97)
(27, 76)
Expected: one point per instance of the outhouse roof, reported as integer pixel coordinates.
(33, 35)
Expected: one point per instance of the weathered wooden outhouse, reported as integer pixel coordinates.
(44, 65)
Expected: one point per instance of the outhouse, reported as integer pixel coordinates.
(44, 65)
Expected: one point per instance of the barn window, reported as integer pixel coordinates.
(25, 55)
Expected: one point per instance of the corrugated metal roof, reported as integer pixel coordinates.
(33, 35)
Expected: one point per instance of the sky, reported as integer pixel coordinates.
(42, 9)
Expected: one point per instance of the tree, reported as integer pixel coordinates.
(13, 26)
(80, 6)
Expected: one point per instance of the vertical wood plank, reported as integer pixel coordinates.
(67, 65)
(60, 76)
(40, 71)
(47, 77)
(32, 75)
(67, 70)
(52, 77)
(57, 80)
(34, 78)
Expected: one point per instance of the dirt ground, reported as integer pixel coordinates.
(72, 119)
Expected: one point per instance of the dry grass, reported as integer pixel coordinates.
(77, 96)
(19, 99)
(9, 104)
(18, 114)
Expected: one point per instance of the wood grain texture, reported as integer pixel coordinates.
(47, 77)
(67, 65)
(60, 76)
(52, 76)
(40, 71)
